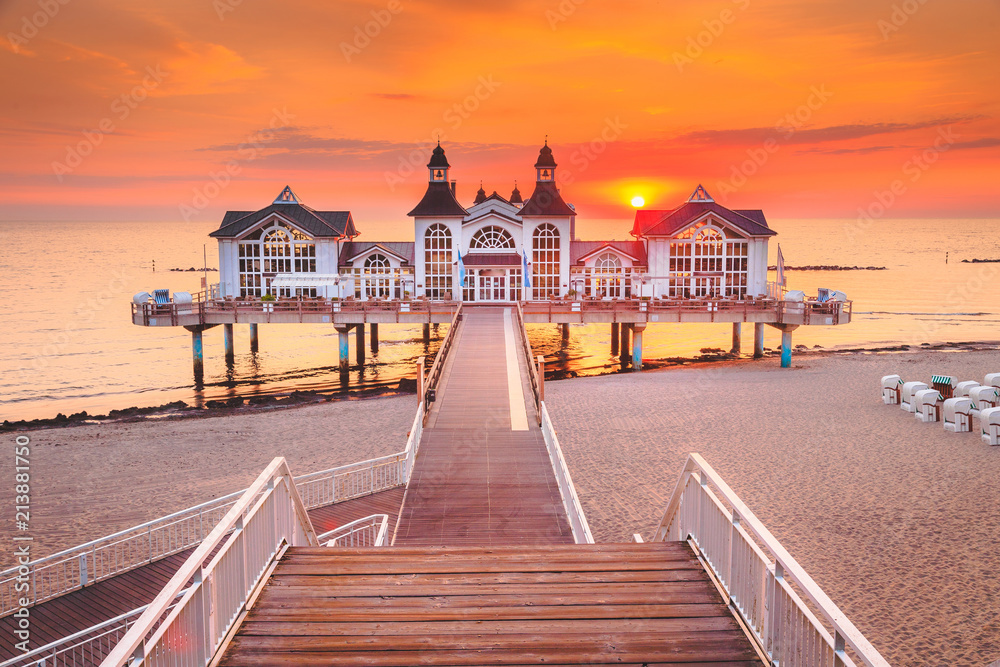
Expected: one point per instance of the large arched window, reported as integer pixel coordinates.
(608, 263)
(545, 262)
(705, 260)
(437, 261)
(268, 251)
(376, 276)
(608, 280)
(492, 237)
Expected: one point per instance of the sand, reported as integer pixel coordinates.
(895, 519)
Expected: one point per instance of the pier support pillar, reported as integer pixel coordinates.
(254, 340)
(786, 349)
(344, 355)
(626, 329)
(359, 343)
(427, 333)
(737, 338)
(758, 340)
(227, 341)
(637, 330)
(614, 338)
(197, 356)
(565, 332)
(374, 335)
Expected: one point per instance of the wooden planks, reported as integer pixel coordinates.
(475, 480)
(62, 616)
(554, 604)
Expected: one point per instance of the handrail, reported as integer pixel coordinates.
(108, 556)
(50, 654)
(571, 502)
(758, 574)
(529, 360)
(357, 533)
(268, 517)
(437, 368)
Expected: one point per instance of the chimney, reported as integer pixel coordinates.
(453, 187)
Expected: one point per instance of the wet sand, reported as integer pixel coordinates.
(895, 519)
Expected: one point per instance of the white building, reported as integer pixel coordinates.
(496, 250)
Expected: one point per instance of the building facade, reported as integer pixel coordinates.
(496, 250)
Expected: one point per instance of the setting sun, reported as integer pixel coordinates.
(638, 201)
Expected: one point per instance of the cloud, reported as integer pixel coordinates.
(864, 150)
(757, 135)
(985, 142)
(394, 96)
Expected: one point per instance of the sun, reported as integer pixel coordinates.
(638, 201)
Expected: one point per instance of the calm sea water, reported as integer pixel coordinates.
(67, 342)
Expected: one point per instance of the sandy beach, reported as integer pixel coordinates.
(895, 519)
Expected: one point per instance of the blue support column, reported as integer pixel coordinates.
(198, 356)
(227, 340)
(637, 330)
(786, 349)
(344, 357)
(254, 341)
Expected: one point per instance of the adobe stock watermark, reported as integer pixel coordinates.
(454, 116)
(562, 12)
(248, 151)
(121, 108)
(223, 7)
(900, 16)
(784, 129)
(365, 33)
(913, 169)
(696, 44)
(583, 156)
(31, 25)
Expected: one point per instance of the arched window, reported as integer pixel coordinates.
(608, 263)
(492, 237)
(545, 262)
(376, 263)
(706, 261)
(270, 250)
(376, 278)
(437, 261)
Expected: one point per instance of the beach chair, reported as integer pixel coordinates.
(957, 414)
(962, 389)
(989, 421)
(141, 298)
(891, 385)
(945, 384)
(907, 394)
(992, 380)
(984, 398)
(183, 302)
(928, 405)
(161, 297)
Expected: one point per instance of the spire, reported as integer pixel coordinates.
(438, 165)
(700, 195)
(480, 195)
(286, 197)
(515, 196)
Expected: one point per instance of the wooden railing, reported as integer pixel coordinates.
(762, 581)
(433, 380)
(267, 518)
(134, 547)
(645, 308)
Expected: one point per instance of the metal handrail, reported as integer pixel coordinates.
(375, 525)
(533, 376)
(437, 368)
(571, 502)
(268, 517)
(759, 576)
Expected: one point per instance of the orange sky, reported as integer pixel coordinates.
(125, 110)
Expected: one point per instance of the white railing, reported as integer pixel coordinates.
(86, 647)
(266, 519)
(370, 531)
(128, 549)
(761, 579)
(571, 503)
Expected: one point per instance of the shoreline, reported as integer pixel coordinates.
(269, 402)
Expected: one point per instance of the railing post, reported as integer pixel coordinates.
(541, 388)
(420, 380)
(83, 570)
(734, 525)
(149, 541)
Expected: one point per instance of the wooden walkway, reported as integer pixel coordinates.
(482, 474)
(620, 604)
(83, 608)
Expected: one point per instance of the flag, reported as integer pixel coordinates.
(527, 274)
(461, 269)
(781, 267)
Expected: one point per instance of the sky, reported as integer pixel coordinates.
(181, 110)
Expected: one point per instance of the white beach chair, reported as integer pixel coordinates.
(963, 388)
(990, 422)
(928, 405)
(183, 302)
(984, 398)
(890, 389)
(906, 394)
(957, 414)
(992, 380)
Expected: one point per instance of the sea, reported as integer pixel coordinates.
(67, 343)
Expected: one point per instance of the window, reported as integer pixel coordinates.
(492, 237)
(545, 262)
(705, 262)
(609, 280)
(270, 250)
(437, 261)
(376, 276)
(609, 263)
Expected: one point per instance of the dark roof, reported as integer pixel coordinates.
(437, 158)
(352, 249)
(545, 158)
(580, 249)
(492, 259)
(515, 196)
(439, 200)
(480, 195)
(545, 200)
(491, 211)
(668, 223)
(496, 197)
(318, 224)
